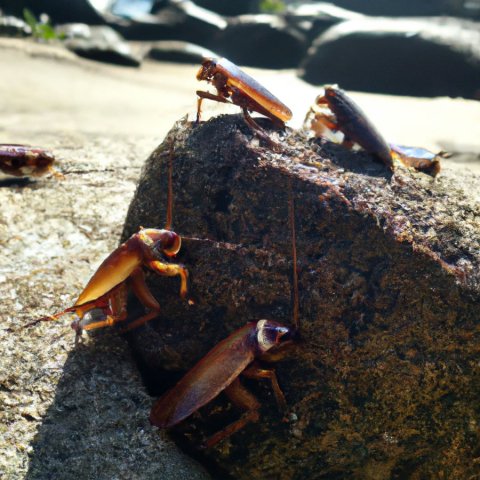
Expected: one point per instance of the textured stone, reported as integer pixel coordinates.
(385, 381)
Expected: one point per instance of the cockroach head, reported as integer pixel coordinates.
(165, 242)
(45, 158)
(169, 243)
(207, 70)
(329, 91)
(269, 334)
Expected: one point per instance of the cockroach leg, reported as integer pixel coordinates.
(140, 289)
(244, 400)
(256, 372)
(259, 130)
(210, 96)
(171, 270)
(348, 142)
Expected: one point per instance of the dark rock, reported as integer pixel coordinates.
(261, 41)
(99, 43)
(384, 383)
(178, 20)
(177, 51)
(412, 7)
(230, 8)
(14, 27)
(315, 18)
(434, 57)
(65, 12)
(150, 27)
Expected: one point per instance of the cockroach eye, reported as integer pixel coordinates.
(269, 334)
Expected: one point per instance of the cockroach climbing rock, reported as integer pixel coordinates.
(335, 111)
(238, 88)
(103, 301)
(220, 369)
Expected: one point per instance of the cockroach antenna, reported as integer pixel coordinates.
(291, 205)
(168, 225)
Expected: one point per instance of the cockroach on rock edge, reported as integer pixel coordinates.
(103, 301)
(344, 115)
(234, 86)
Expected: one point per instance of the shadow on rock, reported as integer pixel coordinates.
(97, 426)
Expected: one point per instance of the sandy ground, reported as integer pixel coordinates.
(42, 93)
(102, 122)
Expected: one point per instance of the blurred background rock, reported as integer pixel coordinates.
(429, 48)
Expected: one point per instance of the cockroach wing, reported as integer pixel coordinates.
(212, 374)
(254, 90)
(415, 152)
(355, 124)
(116, 268)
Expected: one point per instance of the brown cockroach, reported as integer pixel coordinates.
(23, 160)
(336, 111)
(234, 86)
(220, 369)
(418, 158)
(104, 299)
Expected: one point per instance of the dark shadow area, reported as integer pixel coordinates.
(85, 431)
(16, 182)
(356, 161)
(97, 425)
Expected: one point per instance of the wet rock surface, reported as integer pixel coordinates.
(61, 12)
(385, 381)
(314, 18)
(412, 8)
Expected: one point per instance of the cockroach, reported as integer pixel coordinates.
(104, 299)
(234, 86)
(220, 369)
(23, 160)
(418, 158)
(336, 111)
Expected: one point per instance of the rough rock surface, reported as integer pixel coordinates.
(385, 381)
